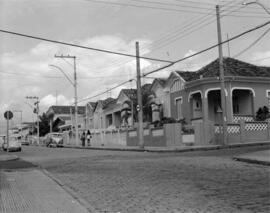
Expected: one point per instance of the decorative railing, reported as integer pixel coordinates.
(238, 118)
(258, 126)
(231, 129)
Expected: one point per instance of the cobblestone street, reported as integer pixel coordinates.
(112, 181)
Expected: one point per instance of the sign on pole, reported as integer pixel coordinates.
(8, 115)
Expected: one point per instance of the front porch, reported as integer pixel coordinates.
(206, 106)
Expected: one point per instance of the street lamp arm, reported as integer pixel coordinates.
(51, 65)
(258, 3)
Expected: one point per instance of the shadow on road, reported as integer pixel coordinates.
(16, 164)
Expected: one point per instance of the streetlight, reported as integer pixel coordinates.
(36, 110)
(74, 84)
(258, 3)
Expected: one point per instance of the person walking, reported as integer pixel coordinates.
(88, 137)
(83, 139)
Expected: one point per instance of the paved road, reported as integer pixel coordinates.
(113, 181)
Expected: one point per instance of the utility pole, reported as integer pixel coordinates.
(36, 110)
(75, 94)
(139, 98)
(228, 45)
(222, 82)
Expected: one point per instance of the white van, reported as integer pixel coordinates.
(14, 144)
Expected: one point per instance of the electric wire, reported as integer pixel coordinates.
(209, 48)
(177, 31)
(79, 46)
(252, 44)
(108, 90)
(161, 8)
(184, 58)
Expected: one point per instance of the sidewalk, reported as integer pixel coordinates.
(260, 157)
(31, 191)
(168, 149)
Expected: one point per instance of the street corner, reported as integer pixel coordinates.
(259, 157)
(7, 157)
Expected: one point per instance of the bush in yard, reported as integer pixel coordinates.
(262, 114)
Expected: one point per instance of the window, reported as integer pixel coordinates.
(178, 103)
(235, 105)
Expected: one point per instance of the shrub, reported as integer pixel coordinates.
(262, 114)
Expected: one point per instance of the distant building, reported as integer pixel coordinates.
(63, 117)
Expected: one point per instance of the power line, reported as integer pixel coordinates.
(252, 44)
(167, 35)
(182, 59)
(161, 8)
(192, 29)
(80, 46)
(108, 90)
(144, 6)
(59, 77)
(189, 6)
(209, 48)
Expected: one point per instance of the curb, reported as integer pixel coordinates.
(184, 149)
(81, 201)
(9, 158)
(254, 161)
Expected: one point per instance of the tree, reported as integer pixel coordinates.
(44, 124)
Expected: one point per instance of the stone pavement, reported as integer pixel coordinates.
(31, 191)
(260, 157)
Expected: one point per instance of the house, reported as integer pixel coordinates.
(64, 117)
(89, 114)
(102, 118)
(117, 113)
(127, 99)
(196, 97)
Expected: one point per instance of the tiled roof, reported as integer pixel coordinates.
(110, 104)
(232, 67)
(188, 76)
(67, 109)
(92, 104)
(162, 81)
(64, 118)
(105, 102)
(146, 88)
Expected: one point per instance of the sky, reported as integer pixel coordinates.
(165, 29)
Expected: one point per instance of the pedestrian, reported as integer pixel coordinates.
(88, 137)
(83, 139)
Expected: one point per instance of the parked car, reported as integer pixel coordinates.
(2, 139)
(54, 139)
(25, 142)
(14, 144)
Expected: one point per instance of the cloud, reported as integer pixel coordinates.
(28, 74)
(50, 100)
(261, 58)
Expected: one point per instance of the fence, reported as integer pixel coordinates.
(245, 132)
(100, 138)
(168, 135)
(172, 135)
